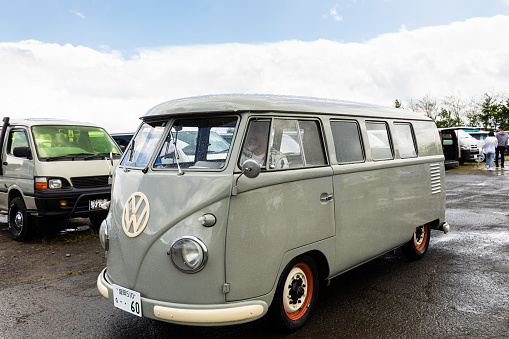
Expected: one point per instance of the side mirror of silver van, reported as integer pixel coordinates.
(251, 169)
(22, 152)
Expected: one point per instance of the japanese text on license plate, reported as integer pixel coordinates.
(127, 300)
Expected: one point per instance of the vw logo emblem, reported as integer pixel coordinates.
(135, 215)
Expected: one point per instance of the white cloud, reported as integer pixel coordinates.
(50, 80)
(78, 14)
(334, 13)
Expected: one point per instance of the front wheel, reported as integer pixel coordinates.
(296, 294)
(418, 245)
(20, 222)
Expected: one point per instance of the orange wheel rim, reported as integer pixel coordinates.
(298, 291)
(421, 237)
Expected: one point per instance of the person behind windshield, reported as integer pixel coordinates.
(255, 147)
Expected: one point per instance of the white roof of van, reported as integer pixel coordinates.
(47, 121)
(231, 103)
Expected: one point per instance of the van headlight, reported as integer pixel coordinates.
(188, 254)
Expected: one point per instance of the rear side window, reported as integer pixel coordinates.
(405, 140)
(379, 140)
(347, 141)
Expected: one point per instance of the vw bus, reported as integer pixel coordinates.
(206, 232)
(54, 169)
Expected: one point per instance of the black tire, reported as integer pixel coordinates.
(96, 220)
(417, 247)
(296, 294)
(21, 224)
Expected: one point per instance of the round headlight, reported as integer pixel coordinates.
(188, 254)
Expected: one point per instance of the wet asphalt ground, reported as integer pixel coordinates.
(459, 290)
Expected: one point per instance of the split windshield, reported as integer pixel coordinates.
(61, 142)
(189, 144)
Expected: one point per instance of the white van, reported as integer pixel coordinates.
(202, 231)
(54, 169)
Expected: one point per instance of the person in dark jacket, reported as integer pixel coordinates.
(502, 144)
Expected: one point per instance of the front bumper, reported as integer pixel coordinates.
(191, 314)
(48, 202)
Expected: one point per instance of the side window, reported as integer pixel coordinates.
(16, 139)
(379, 142)
(299, 141)
(405, 140)
(347, 141)
(289, 143)
(255, 144)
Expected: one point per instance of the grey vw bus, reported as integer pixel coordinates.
(210, 230)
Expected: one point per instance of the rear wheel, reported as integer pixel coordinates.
(418, 245)
(21, 224)
(296, 294)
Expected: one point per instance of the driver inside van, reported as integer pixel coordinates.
(255, 147)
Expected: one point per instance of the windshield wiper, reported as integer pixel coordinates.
(72, 156)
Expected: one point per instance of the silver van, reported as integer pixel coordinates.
(54, 169)
(202, 231)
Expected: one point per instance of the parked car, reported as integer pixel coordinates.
(54, 169)
(122, 139)
(206, 232)
(458, 145)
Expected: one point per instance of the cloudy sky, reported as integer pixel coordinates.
(108, 62)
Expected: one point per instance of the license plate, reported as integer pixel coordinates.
(99, 204)
(127, 300)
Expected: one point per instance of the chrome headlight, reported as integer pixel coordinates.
(188, 254)
(54, 183)
(103, 235)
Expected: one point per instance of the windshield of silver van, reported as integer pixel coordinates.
(188, 144)
(63, 142)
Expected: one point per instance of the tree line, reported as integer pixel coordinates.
(487, 111)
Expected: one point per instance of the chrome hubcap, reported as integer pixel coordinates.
(18, 220)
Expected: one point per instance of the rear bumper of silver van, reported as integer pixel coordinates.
(192, 314)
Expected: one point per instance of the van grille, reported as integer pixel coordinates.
(435, 178)
(87, 182)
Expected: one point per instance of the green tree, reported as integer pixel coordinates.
(397, 104)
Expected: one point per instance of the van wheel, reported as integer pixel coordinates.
(296, 294)
(20, 222)
(418, 245)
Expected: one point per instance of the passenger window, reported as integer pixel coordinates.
(300, 141)
(16, 139)
(405, 139)
(379, 142)
(293, 144)
(347, 141)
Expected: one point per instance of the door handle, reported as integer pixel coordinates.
(326, 197)
(5, 163)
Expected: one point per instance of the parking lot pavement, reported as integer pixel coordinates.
(460, 289)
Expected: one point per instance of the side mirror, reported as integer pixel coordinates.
(250, 168)
(22, 152)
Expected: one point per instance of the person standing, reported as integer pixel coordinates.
(502, 144)
(489, 146)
